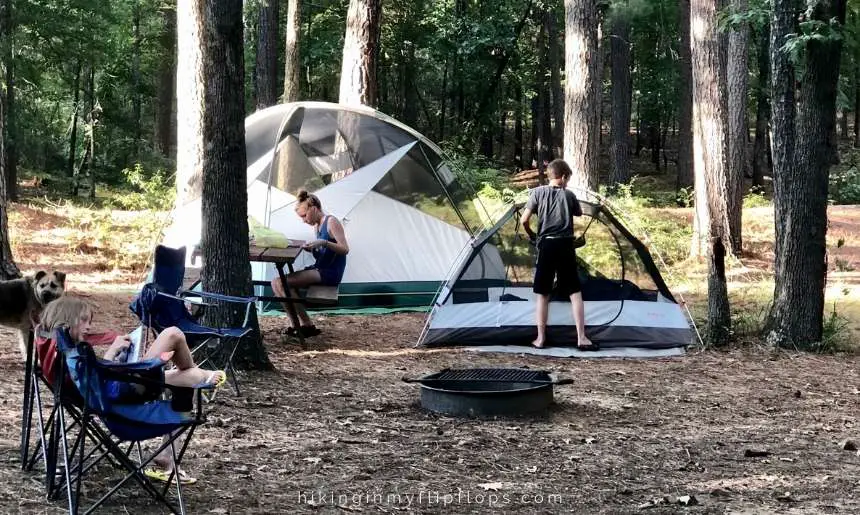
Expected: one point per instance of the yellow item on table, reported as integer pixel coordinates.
(264, 237)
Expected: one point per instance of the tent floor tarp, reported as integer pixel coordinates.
(571, 352)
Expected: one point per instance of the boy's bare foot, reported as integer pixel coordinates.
(538, 343)
(585, 344)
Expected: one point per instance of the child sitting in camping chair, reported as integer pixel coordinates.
(170, 345)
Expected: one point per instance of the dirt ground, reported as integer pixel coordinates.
(335, 429)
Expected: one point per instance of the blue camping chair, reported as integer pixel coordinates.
(161, 304)
(120, 403)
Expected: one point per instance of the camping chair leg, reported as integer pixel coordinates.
(231, 368)
(61, 435)
(42, 444)
(27, 408)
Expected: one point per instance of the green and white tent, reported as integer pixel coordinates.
(487, 300)
(406, 215)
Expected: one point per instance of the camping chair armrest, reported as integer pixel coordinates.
(217, 296)
(135, 366)
(248, 301)
(196, 302)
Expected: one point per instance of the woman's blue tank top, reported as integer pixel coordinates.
(327, 259)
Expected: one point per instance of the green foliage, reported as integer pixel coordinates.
(845, 184)
(667, 234)
(835, 336)
(149, 190)
(756, 199)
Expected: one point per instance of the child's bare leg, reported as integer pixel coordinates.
(172, 340)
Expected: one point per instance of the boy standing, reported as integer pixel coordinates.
(555, 207)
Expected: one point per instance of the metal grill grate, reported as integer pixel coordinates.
(514, 375)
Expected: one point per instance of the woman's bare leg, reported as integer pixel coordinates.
(300, 279)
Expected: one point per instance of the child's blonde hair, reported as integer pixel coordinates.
(66, 311)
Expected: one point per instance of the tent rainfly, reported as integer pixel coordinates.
(627, 302)
(406, 215)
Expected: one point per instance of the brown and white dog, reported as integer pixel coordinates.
(22, 301)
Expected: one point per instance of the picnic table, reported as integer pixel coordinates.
(278, 257)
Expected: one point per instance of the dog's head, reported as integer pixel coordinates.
(48, 287)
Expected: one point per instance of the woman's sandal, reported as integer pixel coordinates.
(307, 331)
(157, 474)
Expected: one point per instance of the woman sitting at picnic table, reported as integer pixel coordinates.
(329, 249)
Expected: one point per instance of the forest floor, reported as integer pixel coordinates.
(333, 428)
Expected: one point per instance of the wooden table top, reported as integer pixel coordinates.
(276, 255)
(270, 254)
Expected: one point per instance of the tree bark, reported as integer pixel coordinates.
(165, 126)
(761, 147)
(581, 105)
(543, 114)
(736, 72)
(801, 177)
(73, 133)
(226, 262)
(10, 132)
(189, 111)
(358, 80)
(292, 59)
(620, 121)
(266, 62)
(554, 51)
(685, 102)
(135, 80)
(857, 105)
(518, 126)
(711, 220)
(8, 269)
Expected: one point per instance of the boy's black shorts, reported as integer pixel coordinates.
(556, 257)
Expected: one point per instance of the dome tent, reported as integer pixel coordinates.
(627, 303)
(405, 213)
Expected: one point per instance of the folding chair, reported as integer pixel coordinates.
(161, 304)
(114, 412)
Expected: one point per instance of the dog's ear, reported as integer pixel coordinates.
(61, 277)
(39, 275)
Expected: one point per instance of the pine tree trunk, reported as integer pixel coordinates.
(10, 132)
(801, 176)
(761, 147)
(620, 121)
(135, 80)
(554, 51)
(266, 63)
(709, 165)
(410, 97)
(543, 121)
(736, 72)
(189, 111)
(443, 102)
(843, 124)
(8, 269)
(685, 102)
(518, 126)
(73, 133)
(292, 59)
(358, 80)
(857, 105)
(226, 264)
(165, 125)
(581, 99)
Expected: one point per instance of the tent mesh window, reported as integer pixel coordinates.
(502, 269)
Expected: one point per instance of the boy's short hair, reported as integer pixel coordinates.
(559, 169)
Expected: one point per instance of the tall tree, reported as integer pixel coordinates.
(226, 263)
(267, 54)
(801, 157)
(8, 269)
(581, 93)
(737, 70)
(761, 145)
(10, 134)
(709, 147)
(358, 81)
(292, 59)
(685, 102)
(189, 111)
(165, 124)
(554, 52)
(136, 92)
(620, 76)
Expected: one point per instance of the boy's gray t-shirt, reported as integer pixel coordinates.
(555, 208)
